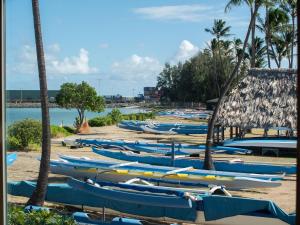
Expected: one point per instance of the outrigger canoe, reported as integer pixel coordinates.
(220, 165)
(165, 169)
(159, 148)
(203, 207)
(284, 143)
(185, 177)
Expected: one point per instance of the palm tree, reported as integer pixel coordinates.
(260, 50)
(208, 162)
(278, 21)
(290, 7)
(264, 27)
(219, 31)
(38, 196)
(251, 4)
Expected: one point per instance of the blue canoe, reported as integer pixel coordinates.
(203, 208)
(116, 172)
(221, 165)
(11, 158)
(263, 142)
(161, 148)
(84, 218)
(102, 164)
(164, 128)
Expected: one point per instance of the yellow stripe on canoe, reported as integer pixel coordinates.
(181, 176)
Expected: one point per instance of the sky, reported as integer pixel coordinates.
(117, 46)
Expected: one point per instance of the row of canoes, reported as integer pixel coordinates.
(128, 188)
(163, 128)
(158, 202)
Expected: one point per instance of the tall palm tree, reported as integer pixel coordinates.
(264, 27)
(208, 162)
(278, 21)
(38, 196)
(219, 31)
(290, 7)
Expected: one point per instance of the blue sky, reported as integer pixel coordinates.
(117, 45)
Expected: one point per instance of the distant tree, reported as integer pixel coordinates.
(82, 97)
(219, 31)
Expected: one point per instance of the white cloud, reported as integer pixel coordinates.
(104, 45)
(191, 13)
(26, 60)
(73, 65)
(186, 51)
(27, 64)
(136, 68)
(54, 48)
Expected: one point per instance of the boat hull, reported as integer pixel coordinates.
(220, 165)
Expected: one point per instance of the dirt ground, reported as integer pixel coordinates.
(26, 166)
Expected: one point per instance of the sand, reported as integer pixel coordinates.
(26, 167)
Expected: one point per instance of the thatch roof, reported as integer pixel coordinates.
(264, 98)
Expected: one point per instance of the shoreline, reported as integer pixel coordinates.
(54, 105)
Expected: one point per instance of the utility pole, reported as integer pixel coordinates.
(99, 81)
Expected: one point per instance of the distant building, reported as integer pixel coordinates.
(28, 95)
(151, 94)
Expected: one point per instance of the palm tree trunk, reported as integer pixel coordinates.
(38, 196)
(268, 36)
(208, 162)
(293, 39)
(252, 63)
(275, 58)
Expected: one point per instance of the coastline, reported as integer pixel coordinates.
(54, 105)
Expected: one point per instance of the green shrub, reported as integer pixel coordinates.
(17, 216)
(13, 143)
(27, 134)
(97, 122)
(132, 117)
(108, 121)
(24, 132)
(57, 132)
(125, 117)
(71, 130)
(115, 115)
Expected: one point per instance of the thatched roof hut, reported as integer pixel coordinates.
(265, 98)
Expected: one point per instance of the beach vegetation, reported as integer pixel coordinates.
(115, 115)
(27, 134)
(82, 97)
(108, 120)
(17, 216)
(24, 132)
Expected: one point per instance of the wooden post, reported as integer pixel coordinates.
(173, 154)
(218, 134)
(231, 132)
(223, 134)
(103, 214)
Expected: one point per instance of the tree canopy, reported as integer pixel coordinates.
(82, 97)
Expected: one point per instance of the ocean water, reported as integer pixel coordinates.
(58, 115)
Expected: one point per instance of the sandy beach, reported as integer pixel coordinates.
(26, 166)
